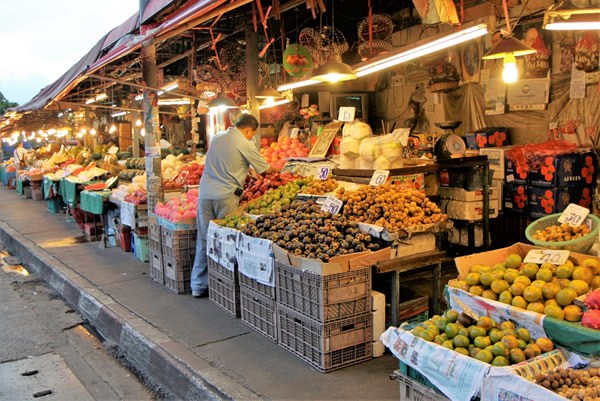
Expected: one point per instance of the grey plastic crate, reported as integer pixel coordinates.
(231, 274)
(324, 297)
(412, 390)
(259, 312)
(224, 291)
(157, 272)
(177, 275)
(252, 284)
(326, 346)
(179, 245)
(154, 238)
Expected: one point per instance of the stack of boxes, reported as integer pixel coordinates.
(178, 251)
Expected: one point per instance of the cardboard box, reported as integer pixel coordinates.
(569, 170)
(471, 211)
(497, 160)
(408, 181)
(514, 173)
(514, 198)
(463, 195)
(543, 201)
(488, 138)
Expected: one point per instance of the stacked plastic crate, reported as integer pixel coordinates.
(155, 252)
(223, 284)
(178, 251)
(324, 315)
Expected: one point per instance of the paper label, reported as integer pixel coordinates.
(553, 256)
(574, 215)
(332, 205)
(322, 173)
(153, 151)
(346, 114)
(510, 178)
(379, 177)
(577, 89)
(113, 150)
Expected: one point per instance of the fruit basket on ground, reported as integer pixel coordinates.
(547, 232)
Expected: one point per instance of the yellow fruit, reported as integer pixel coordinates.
(508, 332)
(476, 290)
(462, 285)
(544, 275)
(499, 266)
(580, 286)
(566, 296)
(499, 349)
(563, 282)
(438, 339)
(517, 288)
(539, 283)
(427, 335)
(564, 271)
(441, 323)
(523, 279)
(495, 335)
(549, 290)
(522, 344)
(448, 344)
(593, 264)
(475, 269)
(451, 315)
(530, 270)
(573, 313)
(472, 278)
(462, 350)
(474, 351)
(532, 350)
(499, 286)
(500, 361)
(583, 273)
(451, 330)
(536, 307)
(545, 344)
(551, 302)
(460, 341)
(554, 311)
(482, 342)
(510, 342)
(486, 278)
(549, 266)
(523, 334)
(532, 293)
(485, 356)
(519, 302)
(489, 294)
(476, 331)
(505, 297)
(513, 261)
(517, 355)
(507, 325)
(463, 332)
(595, 282)
(486, 322)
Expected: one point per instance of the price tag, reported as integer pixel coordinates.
(346, 114)
(332, 205)
(553, 256)
(574, 215)
(113, 150)
(379, 177)
(322, 174)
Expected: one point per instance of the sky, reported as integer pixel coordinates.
(41, 39)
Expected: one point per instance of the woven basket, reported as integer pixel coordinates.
(443, 86)
(580, 245)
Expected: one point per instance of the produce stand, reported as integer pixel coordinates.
(94, 202)
(50, 187)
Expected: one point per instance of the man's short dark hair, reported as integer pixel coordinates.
(247, 121)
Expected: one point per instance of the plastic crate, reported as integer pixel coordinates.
(324, 297)
(154, 238)
(326, 346)
(265, 290)
(416, 376)
(411, 390)
(55, 205)
(259, 312)
(178, 244)
(141, 247)
(224, 291)
(230, 274)
(177, 276)
(414, 311)
(156, 266)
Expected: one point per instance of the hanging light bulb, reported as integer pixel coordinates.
(93, 132)
(138, 123)
(510, 73)
(112, 129)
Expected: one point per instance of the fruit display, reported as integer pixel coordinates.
(390, 207)
(278, 152)
(273, 199)
(591, 317)
(304, 230)
(256, 188)
(138, 163)
(573, 384)
(179, 209)
(545, 288)
(138, 197)
(499, 344)
(562, 232)
(320, 187)
(234, 221)
(189, 174)
(128, 174)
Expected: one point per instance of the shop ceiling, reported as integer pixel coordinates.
(190, 35)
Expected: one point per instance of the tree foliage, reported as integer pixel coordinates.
(5, 104)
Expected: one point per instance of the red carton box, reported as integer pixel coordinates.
(544, 201)
(491, 137)
(569, 170)
(515, 198)
(514, 173)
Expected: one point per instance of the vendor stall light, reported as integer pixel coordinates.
(297, 84)
(80, 135)
(170, 86)
(143, 132)
(508, 48)
(565, 16)
(334, 70)
(138, 123)
(119, 114)
(112, 129)
(510, 73)
(177, 101)
(269, 93)
(97, 98)
(93, 132)
(428, 46)
(221, 103)
(273, 103)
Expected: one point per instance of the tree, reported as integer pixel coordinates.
(5, 104)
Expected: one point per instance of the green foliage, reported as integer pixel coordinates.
(5, 104)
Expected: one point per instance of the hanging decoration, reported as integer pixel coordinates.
(297, 60)
(374, 35)
(323, 44)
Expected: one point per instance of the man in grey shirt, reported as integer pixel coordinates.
(230, 155)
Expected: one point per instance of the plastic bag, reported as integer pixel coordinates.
(530, 157)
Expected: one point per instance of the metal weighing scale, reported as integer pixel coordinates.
(449, 145)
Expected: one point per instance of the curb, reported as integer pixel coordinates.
(158, 358)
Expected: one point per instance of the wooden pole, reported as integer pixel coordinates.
(252, 76)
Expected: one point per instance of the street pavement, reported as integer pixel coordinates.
(188, 348)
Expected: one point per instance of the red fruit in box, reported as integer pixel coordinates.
(591, 319)
(592, 301)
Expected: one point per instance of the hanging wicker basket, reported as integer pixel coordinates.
(443, 86)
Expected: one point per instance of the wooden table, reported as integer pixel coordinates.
(422, 261)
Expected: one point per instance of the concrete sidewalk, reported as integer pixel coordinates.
(187, 346)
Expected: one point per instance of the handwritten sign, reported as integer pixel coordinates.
(346, 114)
(320, 148)
(332, 205)
(553, 256)
(322, 173)
(574, 215)
(379, 177)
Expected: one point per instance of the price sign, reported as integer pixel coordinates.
(553, 256)
(332, 205)
(379, 177)
(574, 215)
(113, 150)
(346, 114)
(322, 174)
